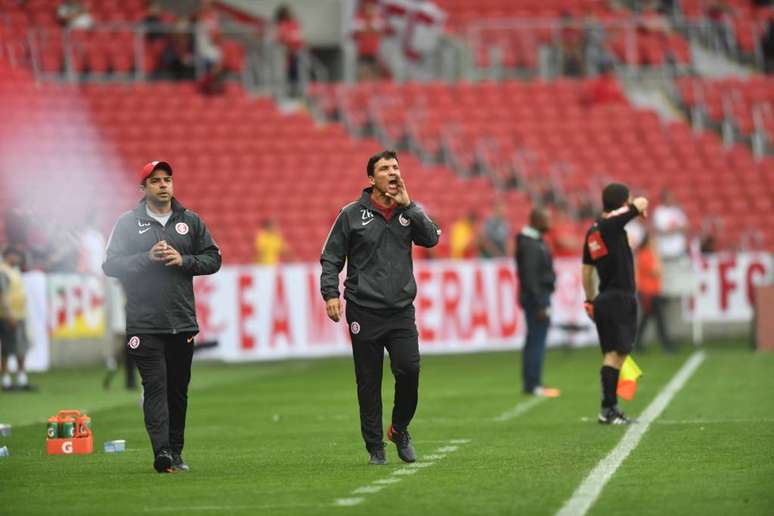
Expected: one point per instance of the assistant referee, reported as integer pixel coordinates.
(614, 310)
(374, 237)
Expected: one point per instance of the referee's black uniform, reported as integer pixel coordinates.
(380, 291)
(160, 313)
(607, 249)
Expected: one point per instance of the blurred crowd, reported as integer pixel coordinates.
(55, 246)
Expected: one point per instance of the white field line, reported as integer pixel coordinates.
(591, 487)
(712, 421)
(519, 409)
(348, 502)
(220, 509)
(399, 474)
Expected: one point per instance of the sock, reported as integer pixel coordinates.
(21, 378)
(609, 381)
(7, 380)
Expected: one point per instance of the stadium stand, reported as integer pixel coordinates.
(558, 126)
(263, 162)
(736, 99)
(523, 27)
(467, 142)
(743, 21)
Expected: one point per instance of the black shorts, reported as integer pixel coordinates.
(615, 315)
(13, 339)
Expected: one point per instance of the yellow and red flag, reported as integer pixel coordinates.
(627, 380)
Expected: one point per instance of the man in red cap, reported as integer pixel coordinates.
(155, 250)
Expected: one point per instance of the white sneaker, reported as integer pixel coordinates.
(546, 392)
(7, 381)
(21, 379)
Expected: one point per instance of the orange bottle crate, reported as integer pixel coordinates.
(82, 443)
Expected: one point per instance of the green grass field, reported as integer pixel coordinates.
(283, 438)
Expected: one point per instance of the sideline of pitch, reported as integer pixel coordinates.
(589, 490)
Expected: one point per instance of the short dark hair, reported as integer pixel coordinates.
(614, 196)
(385, 154)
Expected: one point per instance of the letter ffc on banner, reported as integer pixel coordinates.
(76, 306)
(725, 286)
(258, 313)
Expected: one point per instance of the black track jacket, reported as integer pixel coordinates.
(160, 299)
(380, 271)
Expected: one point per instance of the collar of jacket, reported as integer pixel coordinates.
(141, 213)
(530, 232)
(365, 200)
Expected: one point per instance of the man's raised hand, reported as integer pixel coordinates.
(402, 197)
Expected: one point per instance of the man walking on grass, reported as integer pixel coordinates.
(155, 250)
(374, 237)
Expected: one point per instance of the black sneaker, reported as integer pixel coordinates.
(163, 462)
(613, 416)
(402, 441)
(178, 463)
(377, 457)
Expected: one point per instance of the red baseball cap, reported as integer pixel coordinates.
(151, 167)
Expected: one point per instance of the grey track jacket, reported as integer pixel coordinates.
(160, 299)
(380, 271)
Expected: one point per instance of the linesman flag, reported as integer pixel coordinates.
(627, 380)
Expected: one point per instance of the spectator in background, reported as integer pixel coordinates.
(91, 248)
(288, 34)
(496, 234)
(537, 278)
(17, 227)
(585, 207)
(178, 55)
(61, 252)
(719, 13)
(564, 236)
(604, 89)
(73, 15)
(154, 23)
(13, 315)
(666, 7)
(670, 222)
(207, 43)
(652, 303)
(369, 24)
(571, 45)
(463, 237)
(708, 236)
(767, 45)
(270, 245)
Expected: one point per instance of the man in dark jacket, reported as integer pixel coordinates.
(155, 251)
(374, 236)
(536, 284)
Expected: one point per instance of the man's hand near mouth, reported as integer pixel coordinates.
(401, 196)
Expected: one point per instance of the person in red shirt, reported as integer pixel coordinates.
(565, 236)
(369, 24)
(604, 90)
(288, 34)
(649, 278)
